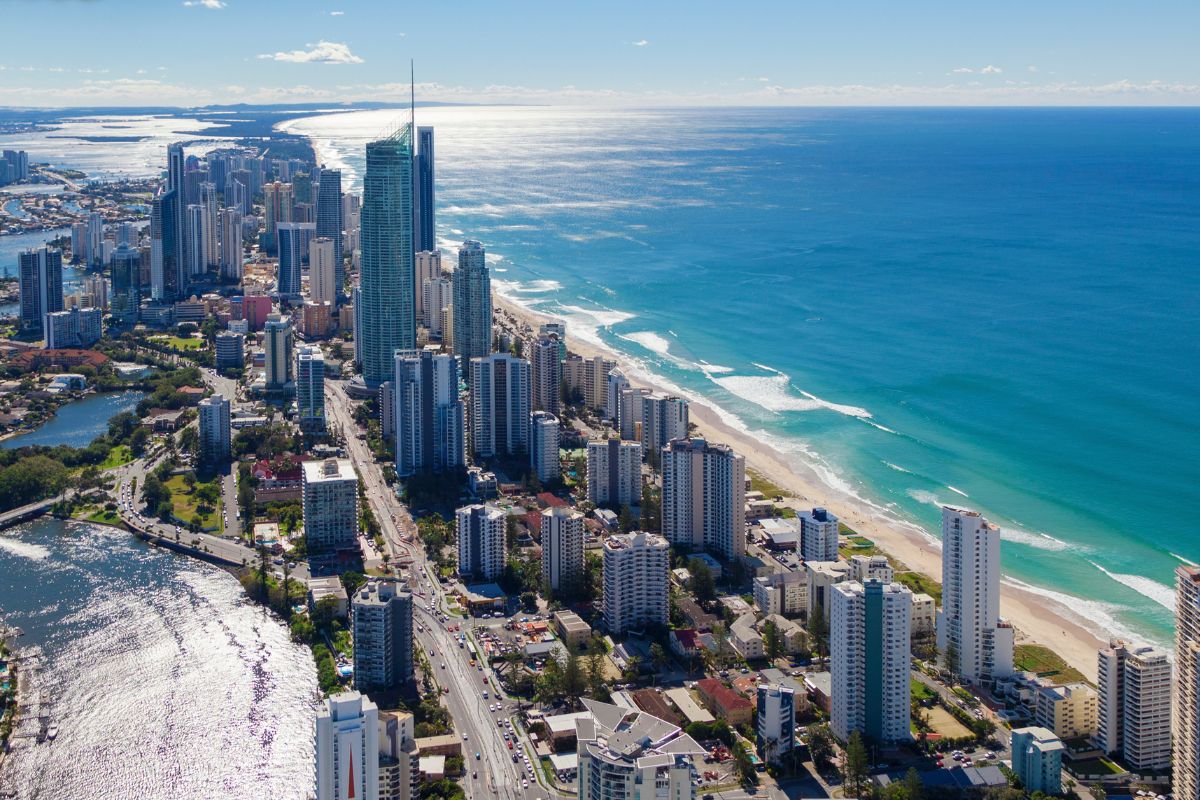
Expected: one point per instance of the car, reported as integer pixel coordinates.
(524, 784)
(443, 665)
(475, 775)
(464, 737)
(514, 758)
(510, 748)
(477, 755)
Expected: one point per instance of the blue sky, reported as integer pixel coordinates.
(191, 52)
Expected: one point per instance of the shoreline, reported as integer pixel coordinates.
(1037, 619)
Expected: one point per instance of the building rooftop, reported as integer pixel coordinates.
(331, 469)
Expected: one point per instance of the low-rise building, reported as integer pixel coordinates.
(1069, 712)
(1037, 759)
(924, 616)
(724, 702)
(745, 638)
(321, 588)
(571, 628)
(688, 706)
(784, 593)
(822, 576)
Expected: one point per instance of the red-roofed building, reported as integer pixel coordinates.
(63, 358)
(279, 480)
(194, 394)
(685, 642)
(547, 500)
(724, 702)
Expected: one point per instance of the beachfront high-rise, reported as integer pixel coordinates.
(632, 755)
(1134, 717)
(588, 379)
(1185, 696)
(472, 303)
(499, 405)
(329, 221)
(214, 430)
(424, 197)
(969, 625)
(635, 581)
(385, 305)
(41, 286)
(166, 247)
(704, 497)
(310, 389)
(1037, 759)
(481, 533)
(330, 505)
(614, 473)
(429, 414)
(347, 748)
(562, 549)
(869, 660)
(818, 535)
(664, 419)
(543, 446)
(381, 616)
(546, 374)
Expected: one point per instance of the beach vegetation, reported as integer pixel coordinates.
(919, 583)
(1029, 657)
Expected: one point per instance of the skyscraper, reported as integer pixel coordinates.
(347, 748)
(79, 327)
(277, 207)
(277, 352)
(481, 531)
(969, 624)
(635, 581)
(212, 225)
(231, 244)
(41, 288)
(428, 268)
(95, 238)
(472, 303)
(704, 497)
(214, 430)
(126, 286)
(547, 374)
(196, 242)
(176, 205)
(664, 418)
(562, 549)
(330, 505)
(323, 271)
(1185, 697)
(437, 299)
(869, 660)
(543, 446)
(293, 243)
(424, 201)
(385, 306)
(614, 473)
(775, 722)
(329, 222)
(382, 619)
(429, 414)
(499, 405)
(310, 389)
(818, 535)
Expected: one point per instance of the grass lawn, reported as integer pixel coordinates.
(179, 343)
(1095, 766)
(919, 583)
(919, 691)
(117, 456)
(1044, 661)
(943, 723)
(759, 483)
(185, 504)
(94, 513)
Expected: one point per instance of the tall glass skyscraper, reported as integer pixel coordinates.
(126, 286)
(387, 313)
(329, 219)
(425, 231)
(472, 304)
(41, 286)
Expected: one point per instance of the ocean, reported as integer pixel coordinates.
(166, 681)
(988, 307)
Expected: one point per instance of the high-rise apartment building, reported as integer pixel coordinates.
(1185, 697)
(664, 419)
(704, 497)
(294, 240)
(79, 327)
(167, 277)
(277, 208)
(126, 286)
(212, 225)
(329, 223)
(428, 265)
(330, 505)
(231, 244)
(481, 532)
(775, 722)
(195, 242)
(614, 473)
(424, 199)
(429, 413)
(347, 750)
(782, 593)
(635, 581)
(1134, 715)
(632, 755)
(546, 373)
(629, 414)
(1037, 759)
(588, 379)
(562, 549)
(95, 238)
(969, 623)
(472, 303)
(230, 350)
(310, 389)
(214, 430)
(818, 535)
(381, 617)
(869, 660)
(871, 568)
(277, 352)
(543, 446)
(385, 304)
(41, 286)
(499, 405)
(614, 386)
(323, 270)
(399, 758)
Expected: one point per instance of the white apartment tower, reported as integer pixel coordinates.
(231, 244)
(277, 357)
(633, 756)
(1134, 719)
(1185, 697)
(214, 430)
(382, 620)
(436, 298)
(546, 374)
(481, 532)
(635, 581)
(870, 662)
(499, 405)
(704, 497)
(330, 505)
(818, 535)
(310, 389)
(871, 568)
(614, 385)
(588, 377)
(428, 264)
(664, 419)
(614, 473)
(348, 748)
(562, 549)
(629, 414)
(543, 446)
(323, 271)
(969, 621)
(429, 414)
(775, 722)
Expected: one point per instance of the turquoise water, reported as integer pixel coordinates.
(79, 422)
(995, 308)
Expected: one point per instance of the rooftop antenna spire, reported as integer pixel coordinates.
(412, 89)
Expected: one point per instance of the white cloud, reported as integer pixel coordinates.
(56, 69)
(322, 52)
(962, 70)
(141, 72)
(764, 80)
(640, 43)
(337, 13)
(1032, 68)
(990, 70)
(213, 4)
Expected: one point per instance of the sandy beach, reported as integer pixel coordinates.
(1036, 618)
